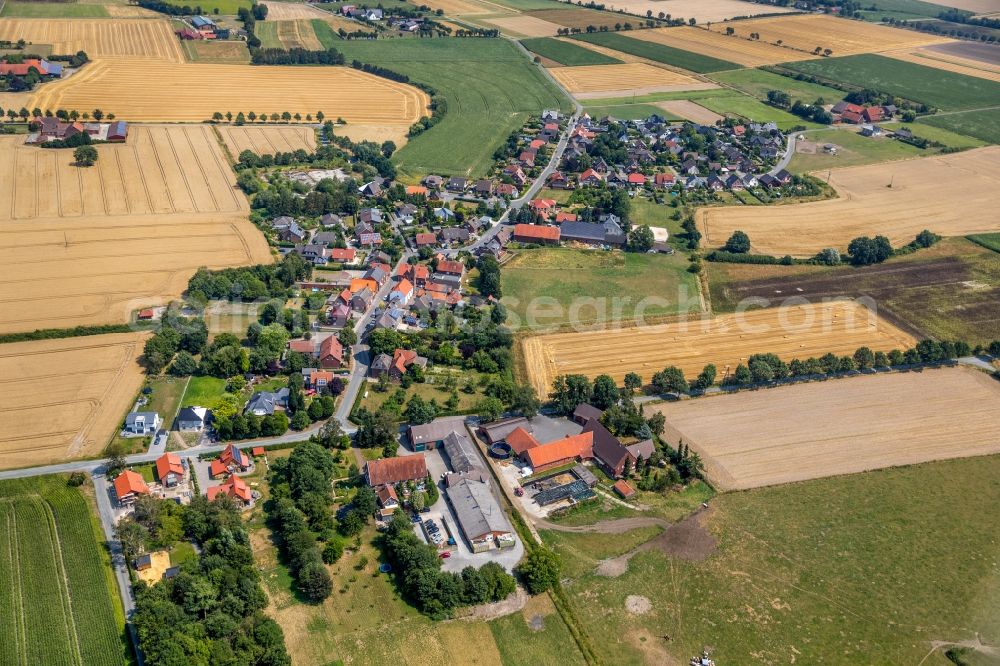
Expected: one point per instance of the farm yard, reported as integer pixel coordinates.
(122, 38)
(126, 88)
(738, 50)
(806, 32)
(490, 87)
(47, 421)
(755, 438)
(767, 574)
(267, 140)
(609, 80)
(56, 605)
(794, 331)
(949, 193)
(947, 292)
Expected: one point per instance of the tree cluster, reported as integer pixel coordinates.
(295, 56)
(250, 283)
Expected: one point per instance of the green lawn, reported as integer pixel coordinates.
(566, 53)
(758, 82)
(491, 89)
(661, 97)
(853, 150)
(904, 9)
(941, 135)
(52, 10)
(555, 286)
(225, 7)
(868, 568)
(990, 241)
(56, 605)
(204, 392)
(431, 389)
(747, 107)
(983, 125)
(166, 397)
(267, 33)
(694, 62)
(647, 211)
(326, 35)
(936, 87)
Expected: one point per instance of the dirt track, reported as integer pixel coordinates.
(952, 195)
(844, 426)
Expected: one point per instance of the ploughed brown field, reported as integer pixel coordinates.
(65, 398)
(844, 426)
(796, 331)
(952, 195)
(270, 140)
(89, 245)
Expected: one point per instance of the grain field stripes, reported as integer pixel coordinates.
(12, 639)
(100, 38)
(267, 140)
(56, 547)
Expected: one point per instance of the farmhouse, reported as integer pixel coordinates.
(388, 501)
(560, 452)
(499, 430)
(431, 435)
(608, 451)
(585, 412)
(478, 513)
(128, 486)
(390, 471)
(40, 65)
(169, 470)
(533, 233)
(235, 488)
(520, 440)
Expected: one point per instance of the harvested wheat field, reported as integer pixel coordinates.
(298, 35)
(948, 63)
(607, 80)
(690, 111)
(270, 140)
(702, 10)
(795, 331)
(130, 11)
(159, 91)
(288, 11)
(527, 26)
(952, 195)
(65, 398)
(844, 426)
(805, 32)
(100, 38)
(160, 170)
(736, 49)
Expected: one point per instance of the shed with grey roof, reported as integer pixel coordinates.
(479, 515)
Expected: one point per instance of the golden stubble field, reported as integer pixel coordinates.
(807, 431)
(947, 62)
(149, 91)
(100, 38)
(732, 48)
(262, 139)
(590, 81)
(65, 398)
(702, 10)
(89, 245)
(796, 331)
(844, 37)
(952, 195)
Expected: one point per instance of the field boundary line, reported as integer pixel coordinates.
(56, 546)
(201, 167)
(145, 185)
(226, 169)
(121, 174)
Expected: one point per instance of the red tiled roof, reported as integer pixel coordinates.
(520, 440)
(566, 217)
(568, 448)
(393, 470)
(168, 463)
(404, 287)
(331, 348)
(851, 116)
(426, 239)
(416, 190)
(129, 483)
(217, 468)
(536, 232)
(542, 204)
(623, 488)
(343, 254)
(637, 179)
(451, 267)
(234, 486)
(302, 346)
(257, 450)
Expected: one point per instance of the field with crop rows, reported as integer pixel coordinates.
(950, 194)
(794, 433)
(55, 603)
(795, 331)
(490, 86)
(734, 49)
(286, 11)
(704, 11)
(566, 53)
(120, 38)
(261, 139)
(611, 80)
(658, 52)
(948, 63)
(806, 32)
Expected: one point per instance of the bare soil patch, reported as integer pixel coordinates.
(160, 563)
(637, 604)
(953, 195)
(797, 331)
(984, 53)
(690, 111)
(807, 431)
(65, 398)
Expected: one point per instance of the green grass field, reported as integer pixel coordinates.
(166, 396)
(983, 125)
(566, 53)
(757, 82)
(326, 35)
(852, 150)
(52, 10)
(490, 86)
(56, 606)
(627, 111)
(203, 392)
(566, 279)
(693, 62)
(903, 9)
(944, 136)
(267, 33)
(945, 90)
(990, 241)
(744, 106)
(225, 7)
(661, 97)
(431, 390)
(868, 568)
